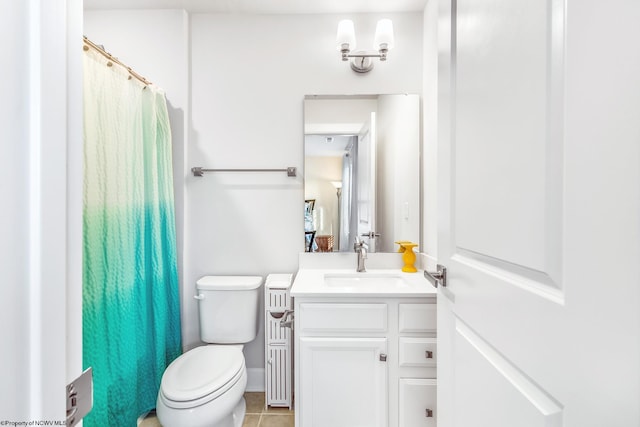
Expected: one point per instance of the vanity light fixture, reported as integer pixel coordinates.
(361, 60)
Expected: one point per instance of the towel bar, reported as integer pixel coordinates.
(199, 171)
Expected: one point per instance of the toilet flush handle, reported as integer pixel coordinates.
(198, 297)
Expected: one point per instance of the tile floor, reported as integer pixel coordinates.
(257, 414)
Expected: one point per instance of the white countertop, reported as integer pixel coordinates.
(389, 283)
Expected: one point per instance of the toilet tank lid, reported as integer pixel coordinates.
(228, 283)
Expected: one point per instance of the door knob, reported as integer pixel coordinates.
(371, 234)
(437, 278)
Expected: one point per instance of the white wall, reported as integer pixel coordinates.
(398, 191)
(238, 83)
(250, 75)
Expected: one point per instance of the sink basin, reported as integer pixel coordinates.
(342, 282)
(364, 280)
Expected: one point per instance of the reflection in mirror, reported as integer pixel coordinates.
(362, 169)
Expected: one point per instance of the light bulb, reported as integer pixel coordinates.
(346, 35)
(384, 35)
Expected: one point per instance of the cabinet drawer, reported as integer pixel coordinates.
(319, 317)
(418, 352)
(417, 318)
(417, 402)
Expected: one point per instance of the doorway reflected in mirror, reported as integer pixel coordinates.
(362, 169)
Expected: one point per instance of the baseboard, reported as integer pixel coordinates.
(255, 379)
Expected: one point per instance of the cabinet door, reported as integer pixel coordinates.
(417, 403)
(343, 382)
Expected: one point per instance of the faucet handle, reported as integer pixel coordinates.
(361, 247)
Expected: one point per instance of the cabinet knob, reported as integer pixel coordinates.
(428, 413)
(428, 354)
(383, 357)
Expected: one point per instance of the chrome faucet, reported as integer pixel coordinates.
(360, 248)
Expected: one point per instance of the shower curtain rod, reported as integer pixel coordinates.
(88, 43)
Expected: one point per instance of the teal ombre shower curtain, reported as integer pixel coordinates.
(131, 315)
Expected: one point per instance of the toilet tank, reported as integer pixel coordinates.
(228, 308)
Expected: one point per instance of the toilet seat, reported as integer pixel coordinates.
(201, 375)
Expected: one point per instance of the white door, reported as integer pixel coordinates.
(41, 219)
(538, 207)
(343, 382)
(366, 182)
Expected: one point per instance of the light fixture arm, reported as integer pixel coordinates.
(382, 55)
(361, 60)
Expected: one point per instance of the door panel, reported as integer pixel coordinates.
(506, 214)
(530, 329)
(513, 400)
(508, 155)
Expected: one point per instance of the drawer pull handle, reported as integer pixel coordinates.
(428, 354)
(383, 357)
(428, 413)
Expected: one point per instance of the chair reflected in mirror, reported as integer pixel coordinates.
(309, 240)
(309, 205)
(309, 228)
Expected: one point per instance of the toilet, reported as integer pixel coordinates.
(205, 386)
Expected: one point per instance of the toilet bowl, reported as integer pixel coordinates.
(204, 388)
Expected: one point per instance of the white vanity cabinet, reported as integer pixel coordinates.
(417, 359)
(345, 380)
(368, 362)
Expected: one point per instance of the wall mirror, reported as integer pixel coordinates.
(361, 171)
